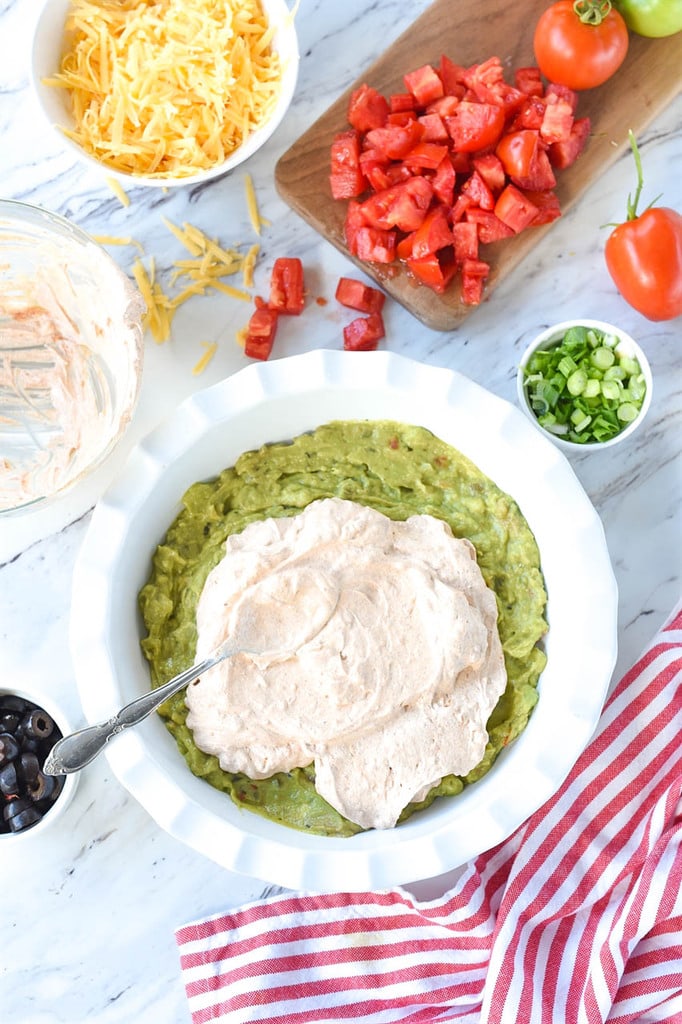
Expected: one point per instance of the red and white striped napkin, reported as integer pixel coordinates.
(577, 917)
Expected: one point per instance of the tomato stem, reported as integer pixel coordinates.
(632, 204)
(592, 12)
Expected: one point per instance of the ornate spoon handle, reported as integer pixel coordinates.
(73, 752)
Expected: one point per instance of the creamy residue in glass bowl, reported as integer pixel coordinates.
(70, 354)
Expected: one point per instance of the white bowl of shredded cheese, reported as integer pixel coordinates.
(172, 92)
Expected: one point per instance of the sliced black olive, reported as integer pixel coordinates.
(10, 702)
(37, 724)
(9, 720)
(29, 744)
(29, 766)
(9, 779)
(24, 819)
(42, 787)
(15, 806)
(9, 747)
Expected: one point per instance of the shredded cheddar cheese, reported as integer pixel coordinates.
(168, 88)
(159, 314)
(252, 203)
(210, 349)
(209, 263)
(119, 191)
(249, 265)
(118, 240)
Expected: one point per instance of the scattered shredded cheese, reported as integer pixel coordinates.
(168, 87)
(241, 336)
(210, 349)
(118, 190)
(159, 315)
(249, 265)
(117, 240)
(252, 204)
(209, 263)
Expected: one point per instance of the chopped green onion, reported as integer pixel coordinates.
(627, 412)
(577, 382)
(610, 389)
(567, 366)
(585, 387)
(603, 357)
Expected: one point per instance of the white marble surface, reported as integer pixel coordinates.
(88, 914)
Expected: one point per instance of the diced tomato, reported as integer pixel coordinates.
(378, 172)
(346, 179)
(461, 162)
(525, 160)
(562, 92)
(472, 290)
(357, 295)
(460, 207)
(354, 220)
(529, 81)
(489, 227)
(425, 85)
(403, 205)
(463, 159)
(474, 274)
(557, 122)
(434, 128)
(476, 188)
(381, 173)
(465, 234)
(541, 176)
(401, 101)
(286, 286)
(515, 209)
(452, 77)
(563, 154)
(517, 151)
(375, 245)
(425, 156)
(487, 84)
(260, 333)
(403, 249)
(394, 141)
(433, 234)
(434, 271)
(548, 207)
(445, 107)
(529, 115)
(401, 117)
(363, 333)
(490, 168)
(476, 268)
(443, 182)
(367, 109)
(475, 126)
(485, 80)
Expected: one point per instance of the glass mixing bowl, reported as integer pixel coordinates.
(71, 355)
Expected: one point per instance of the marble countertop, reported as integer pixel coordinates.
(89, 913)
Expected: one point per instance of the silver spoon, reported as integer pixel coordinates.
(73, 752)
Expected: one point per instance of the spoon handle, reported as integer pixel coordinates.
(73, 752)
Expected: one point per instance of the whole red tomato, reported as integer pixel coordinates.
(580, 44)
(644, 256)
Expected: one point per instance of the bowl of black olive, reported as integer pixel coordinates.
(30, 800)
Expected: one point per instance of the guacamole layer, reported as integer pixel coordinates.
(400, 470)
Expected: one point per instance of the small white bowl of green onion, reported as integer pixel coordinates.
(584, 383)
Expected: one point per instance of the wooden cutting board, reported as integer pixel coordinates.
(469, 33)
